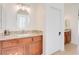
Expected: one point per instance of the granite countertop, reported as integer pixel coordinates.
(66, 30)
(16, 36)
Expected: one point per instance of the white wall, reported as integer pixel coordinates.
(9, 16)
(61, 28)
(0, 16)
(71, 14)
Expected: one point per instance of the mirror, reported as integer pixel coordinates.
(23, 19)
(12, 18)
(67, 24)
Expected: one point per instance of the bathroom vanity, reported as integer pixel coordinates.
(18, 20)
(21, 45)
(67, 36)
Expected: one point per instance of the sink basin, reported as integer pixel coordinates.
(23, 35)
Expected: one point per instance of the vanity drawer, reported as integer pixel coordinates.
(36, 46)
(9, 43)
(25, 40)
(37, 38)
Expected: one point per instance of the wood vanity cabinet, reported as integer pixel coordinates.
(0, 48)
(26, 43)
(36, 46)
(9, 43)
(15, 50)
(67, 37)
(16, 46)
(11, 47)
(22, 46)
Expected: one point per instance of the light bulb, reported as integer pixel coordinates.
(28, 9)
(23, 8)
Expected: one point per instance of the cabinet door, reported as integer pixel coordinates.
(17, 50)
(9, 43)
(24, 41)
(0, 48)
(65, 38)
(27, 49)
(69, 36)
(36, 46)
(0, 52)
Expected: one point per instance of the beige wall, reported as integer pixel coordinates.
(39, 16)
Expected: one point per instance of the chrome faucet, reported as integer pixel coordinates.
(6, 32)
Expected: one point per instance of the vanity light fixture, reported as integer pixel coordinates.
(23, 7)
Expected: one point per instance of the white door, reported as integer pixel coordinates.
(53, 26)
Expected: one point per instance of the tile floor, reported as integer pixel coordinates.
(70, 49)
